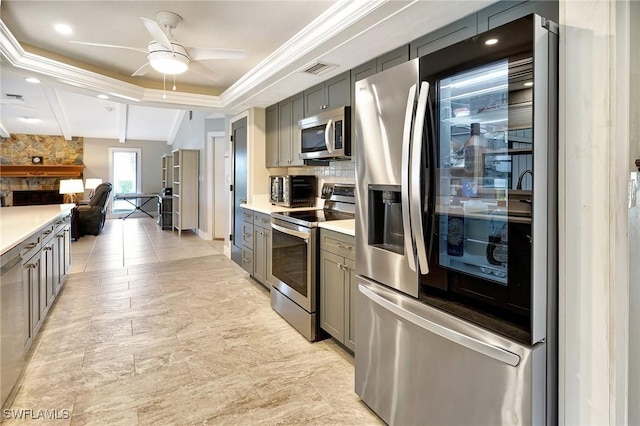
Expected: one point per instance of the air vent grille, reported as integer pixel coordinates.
(318, 68)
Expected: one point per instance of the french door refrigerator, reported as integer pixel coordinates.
(456, 178)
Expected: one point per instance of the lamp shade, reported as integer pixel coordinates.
(71, 186)
(92, 183)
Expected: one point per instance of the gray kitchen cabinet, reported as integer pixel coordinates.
(289, 112)
(271, 136)
(62, 251)
(392, 58)
(247, 241)
(31, 274)
(443, 37)
(262, 249)
(508, 10)
(337, 286)
(329, 94)
(49, 273)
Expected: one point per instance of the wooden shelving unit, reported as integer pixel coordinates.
(185, 189)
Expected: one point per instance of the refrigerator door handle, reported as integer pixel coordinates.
(415, 181)
(489, 350)
(404, 191)
(328, 136)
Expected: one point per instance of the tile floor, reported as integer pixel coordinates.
(154, 329)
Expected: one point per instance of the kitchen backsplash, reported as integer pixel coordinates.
(336, 172)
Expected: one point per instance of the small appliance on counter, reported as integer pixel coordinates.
(292, 191)
(167, 192)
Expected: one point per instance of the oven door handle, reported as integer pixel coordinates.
(304, 235)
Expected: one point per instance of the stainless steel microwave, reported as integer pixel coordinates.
(326, 135)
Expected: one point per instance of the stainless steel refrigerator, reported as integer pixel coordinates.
(456, 177)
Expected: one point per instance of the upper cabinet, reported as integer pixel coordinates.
(289, 112)
(282, 135)
(443, 37)
(329, 94)
(271, 136)
(509, 10)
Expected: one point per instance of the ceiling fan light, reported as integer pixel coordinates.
(167, 63)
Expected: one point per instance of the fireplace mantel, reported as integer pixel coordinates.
(41, 170)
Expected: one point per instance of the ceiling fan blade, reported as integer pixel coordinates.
(86, 43)
(204, 53)
(157, 33)
(198, 68)
(142, 70)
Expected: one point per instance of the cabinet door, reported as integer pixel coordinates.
(338, 91)
(259, 255)
(284, 133)
(297, 113)
(350, 305)
(332, 293)
(47, 277)
(67, 253)
(247, 235)
(506, 11)
(26, 305)
(314, 101)
(393, 58)
(269, 280)
(271, 136)
(443, 37)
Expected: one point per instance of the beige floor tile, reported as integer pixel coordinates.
(183, 337)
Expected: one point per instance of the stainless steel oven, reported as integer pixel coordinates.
(294, 254)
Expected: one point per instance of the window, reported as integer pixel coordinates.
(124, 172)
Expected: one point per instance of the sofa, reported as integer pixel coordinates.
(91, 216)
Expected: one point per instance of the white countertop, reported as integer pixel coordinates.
(267, 208)
(347, 226)
(18, 223)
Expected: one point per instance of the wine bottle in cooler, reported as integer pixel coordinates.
(474, 148)
(455, 229)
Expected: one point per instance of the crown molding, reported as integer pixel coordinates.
(335, 20)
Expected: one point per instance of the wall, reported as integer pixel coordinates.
(634, 219)
(593, 214)
(96, 160)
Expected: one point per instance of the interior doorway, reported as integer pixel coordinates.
(217, 185)
(125, 174)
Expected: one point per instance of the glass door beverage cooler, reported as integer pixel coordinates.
(456, 241)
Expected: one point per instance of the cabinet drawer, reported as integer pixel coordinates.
(30, 246)
(337, 243)
(247, 260)
(262, 220)
(47, 233)
(247, 235)
(247, 216)
(61, 221)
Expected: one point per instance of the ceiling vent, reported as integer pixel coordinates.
(318, 68)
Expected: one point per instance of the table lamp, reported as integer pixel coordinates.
(71, 187)
(92, 184)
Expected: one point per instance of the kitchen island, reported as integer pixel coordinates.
(35, 244)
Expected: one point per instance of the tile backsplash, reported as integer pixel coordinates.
(336, 172)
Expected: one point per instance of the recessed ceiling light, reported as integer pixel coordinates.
(63, 29)
(102, 96)
(528, 84)
(491, 41)
(31, 119)
(32, 80)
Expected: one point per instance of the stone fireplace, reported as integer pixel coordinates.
(56, 152)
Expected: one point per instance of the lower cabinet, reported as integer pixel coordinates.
(337, 286)
(262, 248)
(247, 241)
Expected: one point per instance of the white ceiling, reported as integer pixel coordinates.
(280, 38)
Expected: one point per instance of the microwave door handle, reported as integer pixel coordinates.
(404, 187)
(328, 136)
(415, 199)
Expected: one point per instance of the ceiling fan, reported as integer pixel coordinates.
(168, 56)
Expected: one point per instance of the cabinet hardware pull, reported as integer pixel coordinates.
(31, 266)
(48, 231)
(48, 248)
(30, 246)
